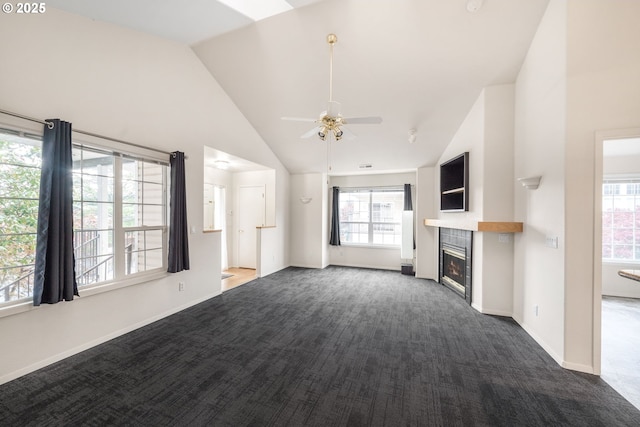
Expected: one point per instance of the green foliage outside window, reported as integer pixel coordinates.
(19, 186)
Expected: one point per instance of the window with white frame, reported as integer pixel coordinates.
(371, 216)
(20, 162)
(119, 214)
(621, 219)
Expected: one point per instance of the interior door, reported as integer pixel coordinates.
(251, 214)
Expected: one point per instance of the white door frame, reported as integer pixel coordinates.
(239, 209)
(600, 138)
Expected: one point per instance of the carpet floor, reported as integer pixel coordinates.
(333, 347)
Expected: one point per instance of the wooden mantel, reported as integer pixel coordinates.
(472, 225)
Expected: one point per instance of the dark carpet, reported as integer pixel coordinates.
(333, 347)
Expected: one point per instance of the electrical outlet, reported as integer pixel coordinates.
(504, 237)
(536, 310)
(181, 286)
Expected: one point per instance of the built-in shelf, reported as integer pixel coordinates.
(454, 184)
(455, 190)
(472, 225)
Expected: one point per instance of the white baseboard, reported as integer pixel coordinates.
(58, 357)
(578, 367)
(492, 312)
(373, 267)
(559, 360)
(300, 265)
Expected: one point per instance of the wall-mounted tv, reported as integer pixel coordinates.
(454, 184)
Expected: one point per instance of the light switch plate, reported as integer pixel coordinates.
(551, 242)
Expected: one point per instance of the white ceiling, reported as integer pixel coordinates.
(416, 63)
(183, 21)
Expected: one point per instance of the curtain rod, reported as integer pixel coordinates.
(373, 187)
(50, 125)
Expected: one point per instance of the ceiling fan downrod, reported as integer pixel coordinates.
(331, 39)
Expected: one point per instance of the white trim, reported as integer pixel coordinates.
(491, 312)
(372, 267)
(318, 267)
(579, 367)
(56, 358)
(369, 246)
(559, 360)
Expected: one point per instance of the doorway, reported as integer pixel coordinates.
(251, 214)
(616, 298)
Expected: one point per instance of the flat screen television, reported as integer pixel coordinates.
(454, 184)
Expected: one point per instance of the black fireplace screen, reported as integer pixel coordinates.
(453, 268)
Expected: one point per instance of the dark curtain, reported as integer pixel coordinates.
(408, 206)
(335, 218)
(54, 271)
(178, 230)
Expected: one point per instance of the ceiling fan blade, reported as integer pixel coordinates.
(311, 133)
(362, 120)
(347, 134)
(333, 109)
(298, 119)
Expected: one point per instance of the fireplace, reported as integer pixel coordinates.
(455, 261)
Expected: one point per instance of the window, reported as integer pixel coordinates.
(371, 216)
(19, 189)
(119, 214)
(621, 220)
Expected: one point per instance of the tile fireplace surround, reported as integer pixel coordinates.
(459, 232)
(462, 239)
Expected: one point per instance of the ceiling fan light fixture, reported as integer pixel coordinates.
(322, 133)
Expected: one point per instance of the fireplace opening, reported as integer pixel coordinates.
(454, 264)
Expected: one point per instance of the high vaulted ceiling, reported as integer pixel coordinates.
(419, 64)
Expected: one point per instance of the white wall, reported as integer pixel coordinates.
(139, 88)
(309, 235)
(498, 200)
(540, 111)
(426, 205)
(382, 258)
(603, 65)
(224, 179)
(469, 137)
(487, 134)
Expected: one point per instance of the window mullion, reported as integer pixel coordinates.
(370, 217)
(118, 229)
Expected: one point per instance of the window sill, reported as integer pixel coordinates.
(25, 305)
(363, 246)
(620, 262)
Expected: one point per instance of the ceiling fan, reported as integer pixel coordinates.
(331, 121)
